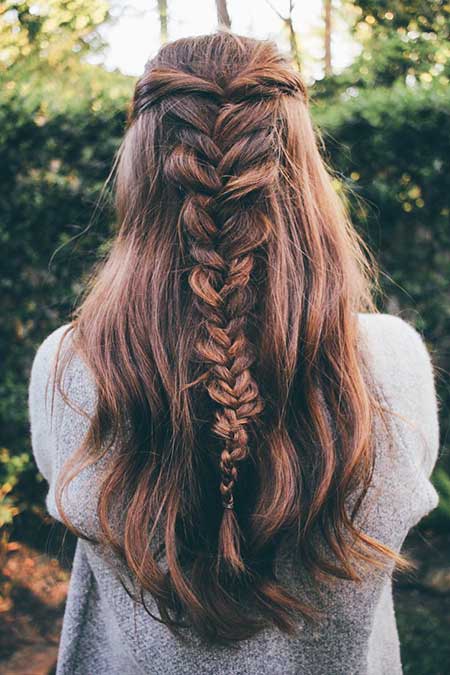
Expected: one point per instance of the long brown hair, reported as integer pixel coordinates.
(222, 335)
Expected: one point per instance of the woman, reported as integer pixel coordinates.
(239, 444)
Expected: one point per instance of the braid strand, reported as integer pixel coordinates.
(226, 167)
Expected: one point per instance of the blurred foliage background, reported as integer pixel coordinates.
(385, 122)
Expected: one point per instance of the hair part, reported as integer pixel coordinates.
(222, 335)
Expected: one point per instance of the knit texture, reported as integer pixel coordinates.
(105, 632)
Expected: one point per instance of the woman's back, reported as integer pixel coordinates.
(106, 631)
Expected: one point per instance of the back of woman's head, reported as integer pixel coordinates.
(222, 335)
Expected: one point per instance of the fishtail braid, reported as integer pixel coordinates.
(245, 131)
(226, 165)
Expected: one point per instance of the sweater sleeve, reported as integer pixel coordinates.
(42, 398)
(403, 372)
(57, 427)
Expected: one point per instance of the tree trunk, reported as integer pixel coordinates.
(288, 23)
(293, 42)
(223, 17)
(328, 32)
(163, 21)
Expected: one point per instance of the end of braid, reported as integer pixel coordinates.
(230, 540)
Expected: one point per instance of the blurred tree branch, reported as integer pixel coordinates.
(223, 15)
(163, 21)
(328, 32)
(288, 23)
(48, 31)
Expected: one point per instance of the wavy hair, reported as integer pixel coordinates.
(222, 335)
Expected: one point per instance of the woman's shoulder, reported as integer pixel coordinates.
(389, 333)
(401, 366)
(52, 399)
(43, 367)
(395, 349)
(48, 350)
(56, 348)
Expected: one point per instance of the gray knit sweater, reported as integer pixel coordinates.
(106, 633)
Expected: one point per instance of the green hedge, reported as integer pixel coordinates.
(57, 145)
(391, 146)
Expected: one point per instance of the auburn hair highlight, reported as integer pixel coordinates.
(233, 402)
